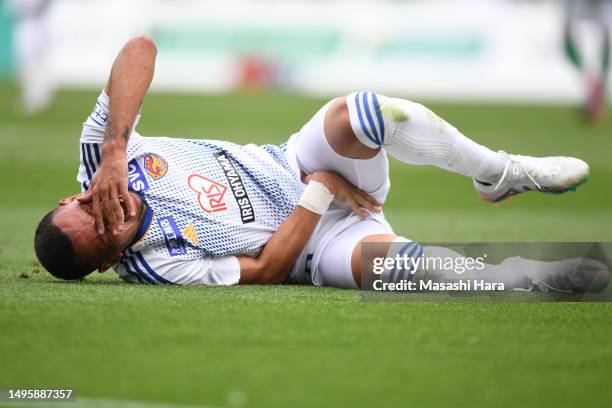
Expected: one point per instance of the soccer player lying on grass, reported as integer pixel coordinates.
(162, 210)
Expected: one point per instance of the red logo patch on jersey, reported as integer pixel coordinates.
(210, 193)
(155, 165)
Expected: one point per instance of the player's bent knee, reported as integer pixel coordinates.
(340, 132)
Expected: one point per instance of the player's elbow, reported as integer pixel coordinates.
(258, 272)
(262, 271)
(142, 43)
(271, 274)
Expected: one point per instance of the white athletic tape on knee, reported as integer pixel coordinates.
(366, 118)
(316, 198)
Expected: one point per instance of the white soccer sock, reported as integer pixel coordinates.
(413, 134)
(413, 262)
(511, 276)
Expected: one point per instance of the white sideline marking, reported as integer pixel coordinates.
(102, 403)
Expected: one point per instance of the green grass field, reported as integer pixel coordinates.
(305, 346)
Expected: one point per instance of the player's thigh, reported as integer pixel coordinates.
(314, 153)
(340, 262)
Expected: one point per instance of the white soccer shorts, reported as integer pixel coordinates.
(326, 260)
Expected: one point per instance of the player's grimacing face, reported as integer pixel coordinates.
(76, 220)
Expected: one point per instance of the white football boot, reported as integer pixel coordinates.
(568, 275)
(554, 175)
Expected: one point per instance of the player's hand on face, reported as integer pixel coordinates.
(108, 189)
(345, 192)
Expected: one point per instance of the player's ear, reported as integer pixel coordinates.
(67, 200)
(110, 262)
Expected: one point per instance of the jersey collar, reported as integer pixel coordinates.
(146, 223)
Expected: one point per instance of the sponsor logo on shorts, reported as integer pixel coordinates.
(172, 236)
(238, 189)
(155, 165)
(136, 178)
(211, 195)
(308, 264)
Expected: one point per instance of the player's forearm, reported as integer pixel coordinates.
(280, 253)
(130, 78)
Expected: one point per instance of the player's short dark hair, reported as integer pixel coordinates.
(55, 251)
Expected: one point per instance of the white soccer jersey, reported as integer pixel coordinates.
(208, 201)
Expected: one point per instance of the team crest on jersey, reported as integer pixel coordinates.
(155, 165)
(211, 195)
